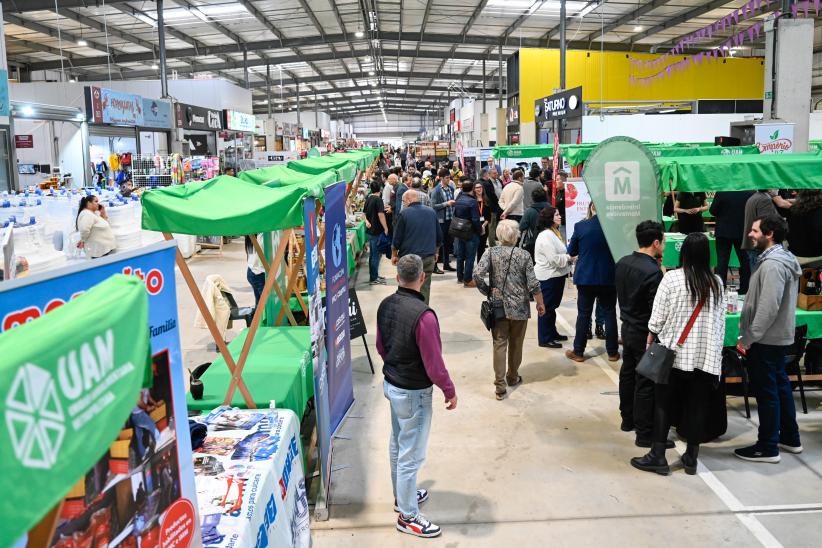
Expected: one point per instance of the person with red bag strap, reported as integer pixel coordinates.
(688, 316)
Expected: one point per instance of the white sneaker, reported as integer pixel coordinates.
(790, 448)
(418, 526)
(422, 496)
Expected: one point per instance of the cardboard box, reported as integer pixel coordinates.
(807, 302)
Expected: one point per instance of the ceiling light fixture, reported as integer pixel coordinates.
(591, 6)
(370, 73)
(27, 111)
(638, 28)
(359, 34)
(82, 43)
(155, 66)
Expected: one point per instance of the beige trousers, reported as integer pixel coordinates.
(509, 336)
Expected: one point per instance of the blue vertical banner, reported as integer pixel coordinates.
(316, 319)
(338, 340)
(152, 459)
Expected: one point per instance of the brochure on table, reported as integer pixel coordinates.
(142, 490)
(250, 481)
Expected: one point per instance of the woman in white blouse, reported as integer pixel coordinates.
(552, 267)
(96, 236)
(685, 400)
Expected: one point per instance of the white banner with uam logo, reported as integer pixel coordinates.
(250, 481)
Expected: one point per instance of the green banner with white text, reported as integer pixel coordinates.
(68, 381)
(622, 177)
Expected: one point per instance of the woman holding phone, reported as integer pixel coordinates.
(96, 236)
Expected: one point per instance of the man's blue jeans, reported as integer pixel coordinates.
(604, 295)
(466, 253)
(774, 397)
(410, 425)
(373, 257)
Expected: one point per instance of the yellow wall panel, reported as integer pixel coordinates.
(723, 79)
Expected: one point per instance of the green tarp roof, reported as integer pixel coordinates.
(745, 172)
(362, 158)
(346, 169)
(577, 154)
(277, 176)
(224, 206)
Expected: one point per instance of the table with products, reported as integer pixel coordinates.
(669, 220)
(673, 245)
(279, 369)
(250, 481)
(811, 318)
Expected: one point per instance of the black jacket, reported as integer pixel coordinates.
(729, 209)
(490, 193)
(397, 319)
(637, 279)
(466, 207)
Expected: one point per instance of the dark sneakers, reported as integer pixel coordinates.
(422, 496)
(794, 449)
(418, 526)
(755, 454)
(600, 331)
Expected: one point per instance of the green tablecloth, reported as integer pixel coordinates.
(673, 243)
(669, 220)
(362, 237)
(803, 317)
(278, 368)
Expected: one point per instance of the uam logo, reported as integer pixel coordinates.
(622, 181)
(35, 417)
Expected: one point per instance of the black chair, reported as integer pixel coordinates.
(245, 313)
(739, 364)
(792, 359)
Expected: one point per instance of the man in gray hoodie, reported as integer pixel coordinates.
(766, 330)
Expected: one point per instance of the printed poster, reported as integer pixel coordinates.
(577, 200)
(142, 490)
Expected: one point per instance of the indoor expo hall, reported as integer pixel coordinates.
(394, 273)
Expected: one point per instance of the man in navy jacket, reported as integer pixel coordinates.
(594, 278)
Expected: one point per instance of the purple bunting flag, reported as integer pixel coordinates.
(816, 6)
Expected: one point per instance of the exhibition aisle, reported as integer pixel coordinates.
(549, 462)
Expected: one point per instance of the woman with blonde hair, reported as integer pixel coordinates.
(511, 282)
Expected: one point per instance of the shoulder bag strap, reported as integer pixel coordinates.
(690, 324)
(505, 280)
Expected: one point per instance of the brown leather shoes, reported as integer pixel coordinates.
(470, 283)
(571, 355)
(614, 357)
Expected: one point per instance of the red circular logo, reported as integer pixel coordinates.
(178, 525)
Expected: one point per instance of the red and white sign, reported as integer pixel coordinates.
(24, 141)
(774, 138)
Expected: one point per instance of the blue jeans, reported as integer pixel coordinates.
(373, 257)
(774, 397)
(604, 295)
(257, 282)
(410, 425)
(552, 290)
(466, 253)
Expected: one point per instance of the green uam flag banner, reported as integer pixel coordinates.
(68, 381)
(622, 177)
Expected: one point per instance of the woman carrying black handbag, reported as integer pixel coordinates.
(688, 318)
(511, 280)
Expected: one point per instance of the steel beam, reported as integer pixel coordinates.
(626, 19)
(676, 20)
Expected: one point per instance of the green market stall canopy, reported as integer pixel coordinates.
(279, 176)
(575, 155)
(345, 168)
(59, 425)
(224, 206)
(744, 172)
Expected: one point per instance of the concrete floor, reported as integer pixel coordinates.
(548, 465)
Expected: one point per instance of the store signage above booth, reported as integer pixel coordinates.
(106, 106)
(192, 117)
(559, 106)
(23, 141)
(157, 114)
(240, 121)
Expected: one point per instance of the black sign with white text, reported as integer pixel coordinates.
(565, 104)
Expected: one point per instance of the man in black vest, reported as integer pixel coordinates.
(408, 339)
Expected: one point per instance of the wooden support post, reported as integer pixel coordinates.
(291, 287)
(270, 282)
(278, 260)
(209, 320)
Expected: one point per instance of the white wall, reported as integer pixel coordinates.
(400, 127)
(306, 119)
(662, 128)
(69, 144)
(216, 94)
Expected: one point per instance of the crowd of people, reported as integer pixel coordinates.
(509, 242)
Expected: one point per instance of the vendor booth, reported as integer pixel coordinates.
(199, 127)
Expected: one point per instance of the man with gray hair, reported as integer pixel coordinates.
(417, 233)
(408, 339)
